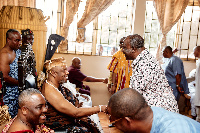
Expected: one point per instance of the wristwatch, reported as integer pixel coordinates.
(177, 86)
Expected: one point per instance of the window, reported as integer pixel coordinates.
(102, 34)
(188, 32)
(183, 35)
(113, 24)
(152, 33)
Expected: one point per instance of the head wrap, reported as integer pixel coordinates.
(27, 32)
(49, 64)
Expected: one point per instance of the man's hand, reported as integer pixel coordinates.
(112, 89)
(109, 87)
(103, 108)
(180, 89)
(105, 80)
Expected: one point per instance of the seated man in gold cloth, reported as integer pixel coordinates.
(65, 112)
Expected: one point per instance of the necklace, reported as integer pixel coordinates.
(25, 123)
(51, 85)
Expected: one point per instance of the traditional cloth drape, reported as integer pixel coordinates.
(92, 9)
(71, 9)
(169, 12)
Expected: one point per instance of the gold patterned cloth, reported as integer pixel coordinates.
(122, 68)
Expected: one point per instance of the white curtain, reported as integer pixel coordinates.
(169, 12)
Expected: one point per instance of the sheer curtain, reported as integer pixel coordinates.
(169, 12)
(92, 9)
(71, 9)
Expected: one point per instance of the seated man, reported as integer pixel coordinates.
(64, 112)
(32, 106)
(77, 77)
(131, 113)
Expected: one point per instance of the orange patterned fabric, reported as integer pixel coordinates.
(122, 68)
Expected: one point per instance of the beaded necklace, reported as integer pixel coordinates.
(51, 85)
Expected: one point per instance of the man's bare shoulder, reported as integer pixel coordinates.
(4, 53)
(4, 50)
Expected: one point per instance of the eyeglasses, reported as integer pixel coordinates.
(114, 121)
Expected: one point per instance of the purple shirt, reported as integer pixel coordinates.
(76, 76)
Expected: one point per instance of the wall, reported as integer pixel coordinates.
(189, 66)
(91, 65)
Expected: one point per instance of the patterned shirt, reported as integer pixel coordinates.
(122, 68)
(168, 122)
(148, 79)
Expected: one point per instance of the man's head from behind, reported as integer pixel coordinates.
(76, 62)
(13, 39)
(27, 37)
(133, 46)
(57, 69)
(167, 52)
(126, 108)
(32, 106)
(197, 51)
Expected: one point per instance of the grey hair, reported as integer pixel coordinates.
(136, 41)
(26, 95)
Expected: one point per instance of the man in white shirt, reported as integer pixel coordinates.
(197, 79)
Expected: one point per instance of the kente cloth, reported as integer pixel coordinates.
(39, 128)
(11, 97)
(148, 79)
(172, 67)
(122, 68)
(60, 121)
(169, 122)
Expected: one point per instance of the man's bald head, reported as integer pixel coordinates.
(76, 62)
(197, 51)
(127, 103)
(167, 52)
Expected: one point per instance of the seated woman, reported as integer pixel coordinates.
(64, 112)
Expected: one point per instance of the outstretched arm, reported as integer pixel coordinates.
(93, 79)
(56, 99)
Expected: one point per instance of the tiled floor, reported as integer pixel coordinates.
(104, 120)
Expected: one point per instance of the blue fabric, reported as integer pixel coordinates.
(11, 97)
(172, 67)
(169, 122)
